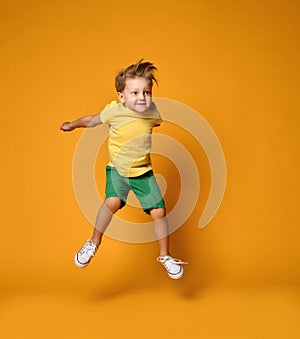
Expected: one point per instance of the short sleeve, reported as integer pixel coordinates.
(106, 113)
(159, 119)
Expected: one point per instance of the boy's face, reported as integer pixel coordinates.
(137, 94)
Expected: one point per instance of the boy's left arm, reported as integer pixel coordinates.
(85, 121)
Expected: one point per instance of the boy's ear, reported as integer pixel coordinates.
(121, 96)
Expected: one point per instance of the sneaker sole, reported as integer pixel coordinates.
(177, 275)
(79, 264)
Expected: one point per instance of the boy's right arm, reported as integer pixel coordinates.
(85, 121)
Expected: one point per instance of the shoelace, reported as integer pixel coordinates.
(88, 247)
(169, 261)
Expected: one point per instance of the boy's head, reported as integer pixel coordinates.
(134, 85)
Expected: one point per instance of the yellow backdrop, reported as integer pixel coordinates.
(234, 62)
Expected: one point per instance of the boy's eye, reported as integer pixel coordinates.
(136, 93)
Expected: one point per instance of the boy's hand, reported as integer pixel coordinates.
(66, 127)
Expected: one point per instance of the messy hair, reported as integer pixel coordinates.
(140, 69)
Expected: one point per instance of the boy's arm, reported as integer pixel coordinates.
(85, 121)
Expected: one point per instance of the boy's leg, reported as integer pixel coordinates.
(172, 265)
(87, 252)
(105, 214)
(116, 191)
(146, 189)
(161, 229)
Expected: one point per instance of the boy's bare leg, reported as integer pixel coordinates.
(161, 229)
(105, 214)
(172, 266)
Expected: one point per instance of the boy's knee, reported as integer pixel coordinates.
(158, 213)
(113, 203)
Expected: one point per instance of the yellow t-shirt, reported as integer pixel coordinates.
(129, 140)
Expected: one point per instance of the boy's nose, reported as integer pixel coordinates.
(141, 96)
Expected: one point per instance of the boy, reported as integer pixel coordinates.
(130, 127)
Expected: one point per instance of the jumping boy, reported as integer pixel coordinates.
(130, 127)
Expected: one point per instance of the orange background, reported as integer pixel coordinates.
(236, 63)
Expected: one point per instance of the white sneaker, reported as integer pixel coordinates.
(85, 254)
(172, 266)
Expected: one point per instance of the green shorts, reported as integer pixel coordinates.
(144, 187)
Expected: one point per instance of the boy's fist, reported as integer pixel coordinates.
(66, 127)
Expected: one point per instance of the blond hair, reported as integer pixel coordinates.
(140, 69)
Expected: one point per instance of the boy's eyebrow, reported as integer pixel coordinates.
(145, 89)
